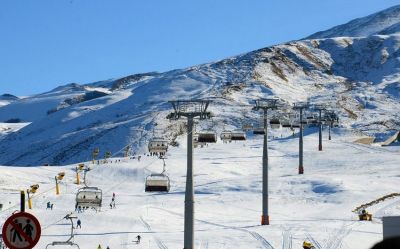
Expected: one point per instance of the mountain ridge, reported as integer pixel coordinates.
(381, 22)
(357, 76)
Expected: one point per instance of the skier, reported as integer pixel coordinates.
(78, 224)
(138, 239)
(108, 247)
(48, 205)
(99, 247)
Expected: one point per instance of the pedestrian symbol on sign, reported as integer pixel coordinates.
(21, 231)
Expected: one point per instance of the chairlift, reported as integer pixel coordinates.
(296, 124)
(62, 243)
(196, 142)
(158, 145)
(275, 123)
(226, 135)
(87, 197)
(158, 182)
(208, 136)
(285, 122)
(69, 241)
(247, 127)
(259, 131)
(304, 122)
(238, 136)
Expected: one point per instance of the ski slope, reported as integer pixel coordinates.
(315, 206)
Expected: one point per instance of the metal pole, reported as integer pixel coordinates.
(22, 201)
(330, 130)
(301, 168)
(320, 131)
(265, 215)
(189, 194)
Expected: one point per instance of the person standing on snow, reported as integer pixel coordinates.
(78, 224)
(99, 247)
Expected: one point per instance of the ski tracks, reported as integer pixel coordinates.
(286, 240)
(336, 239)
(260, 238)
(313, 241)
(255, 235)
(159, 243)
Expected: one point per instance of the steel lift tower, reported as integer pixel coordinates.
(320, 108)
(265, 105)
(301, 106)
(331, 117)
(189, 109)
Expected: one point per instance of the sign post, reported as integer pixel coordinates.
(21, 231)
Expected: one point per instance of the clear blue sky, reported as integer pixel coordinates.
(47, 43)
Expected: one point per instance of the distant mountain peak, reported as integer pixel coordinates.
(8, 96)
(383, 22)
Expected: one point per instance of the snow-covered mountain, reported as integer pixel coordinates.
(383, 22)
(357, 76)
(7, 98)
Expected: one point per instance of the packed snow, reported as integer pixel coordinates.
(315, 206)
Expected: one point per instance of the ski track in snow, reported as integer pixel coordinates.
(255, 235)
(160, 244)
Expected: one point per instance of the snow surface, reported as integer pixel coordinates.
(227, 177)
(382, 22)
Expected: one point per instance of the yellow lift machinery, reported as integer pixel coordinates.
(363, 213)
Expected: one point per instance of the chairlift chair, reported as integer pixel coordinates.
(247, 127)
(275, 123)
(311, 119)
(158, 145)
(196, 142)
(207, 137)
(238, 136)
(259, 131)
(62, 243)
(295, 124)
(157, 183)
(226, 135)
(87, 197)
(286, 123)
(304, 121)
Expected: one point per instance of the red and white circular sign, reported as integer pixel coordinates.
(21, 231)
